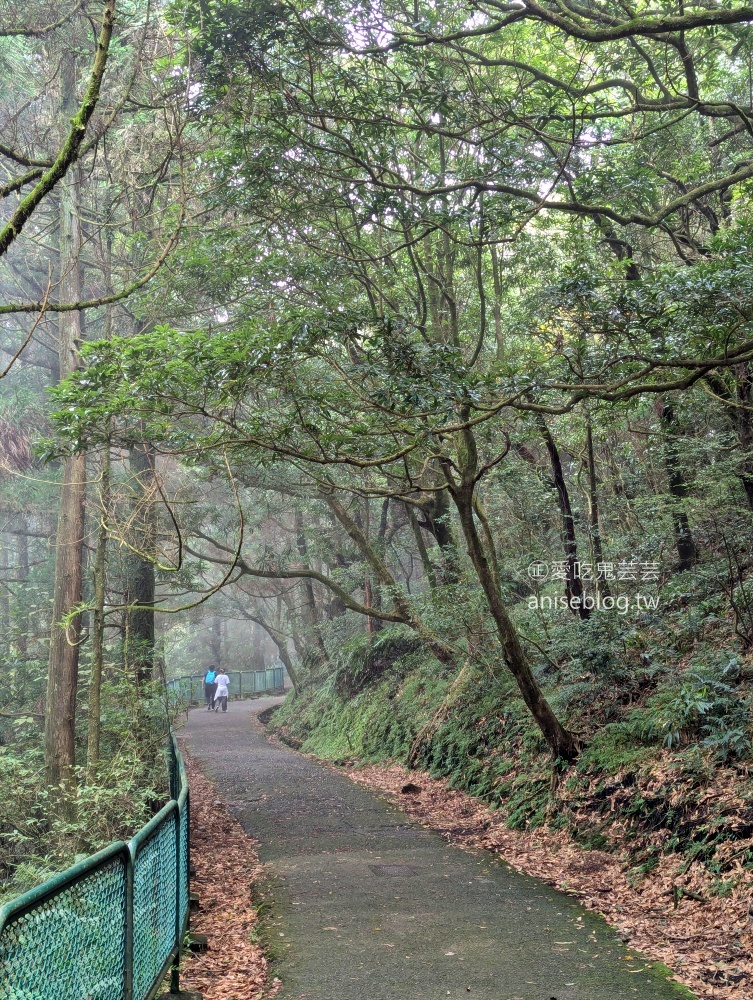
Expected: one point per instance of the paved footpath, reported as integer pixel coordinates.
(368, 906)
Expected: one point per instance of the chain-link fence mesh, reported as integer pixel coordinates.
(183, 887)
(110, 927)
(154, 903)
(86, 920)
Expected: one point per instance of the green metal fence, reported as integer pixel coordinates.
(111, 926)
(243, 684)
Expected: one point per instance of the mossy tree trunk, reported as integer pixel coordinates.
(462, 485)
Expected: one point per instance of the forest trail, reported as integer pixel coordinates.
(367, 906)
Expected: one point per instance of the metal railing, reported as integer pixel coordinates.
(110, 927)
(243, 684)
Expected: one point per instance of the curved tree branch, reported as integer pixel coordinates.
(69, 153)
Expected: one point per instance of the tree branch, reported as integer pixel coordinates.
(69, 153)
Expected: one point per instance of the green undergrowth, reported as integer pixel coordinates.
(666, 762)
(37, 838)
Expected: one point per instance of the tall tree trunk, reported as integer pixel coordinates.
(429, 573)
(257, 656)
(22, 569)
(679, 490)
(573, 583)
(139, 570)
(310, 613)
(62, 676)
(743, 419)
(302, 650)
(372, 624)
(281, 643)
(602, 586)
(284, 655)
(497, 303)
(4, 588)
(372, 594)
(98, 623)
(215, 640)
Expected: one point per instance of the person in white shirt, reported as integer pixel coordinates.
(220, 699)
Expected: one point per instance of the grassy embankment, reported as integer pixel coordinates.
(662, 703)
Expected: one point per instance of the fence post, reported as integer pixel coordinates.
(128, 961)
(240, 685)
(175, 970)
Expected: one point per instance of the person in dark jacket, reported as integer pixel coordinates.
(210, 687)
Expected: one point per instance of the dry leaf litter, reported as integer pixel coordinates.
(706, 941)
(234, 967)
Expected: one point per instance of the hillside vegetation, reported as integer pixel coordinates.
(661, 707)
